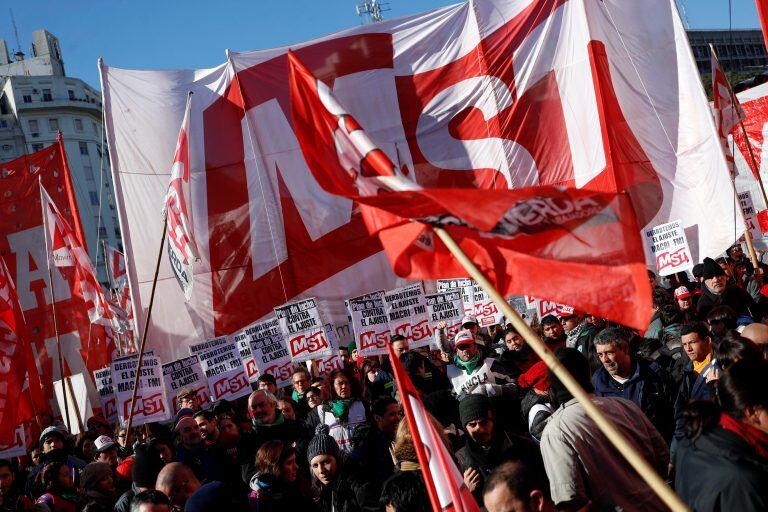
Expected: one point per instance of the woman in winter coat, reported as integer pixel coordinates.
(722, 463)
(98, 486)
(345, 412)
(341, 485)
(60, 492)
(277, 485)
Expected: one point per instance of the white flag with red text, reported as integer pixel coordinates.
(115, 259)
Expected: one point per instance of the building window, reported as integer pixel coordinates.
(34, 127)
(102, 232)
(3, 123)
(95, 129)
(27, 98)
(7, 147)
(83, 148)
(88, 171)
(94, 198)
(47, 96)
(78, 125)
(71, 94)
(53, 124)
(87, 98)
(117, 232)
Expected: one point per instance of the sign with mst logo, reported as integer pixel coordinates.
(407, 313)
(448, 96)
(303, 330)
(669, 247)
(446, 307)
(223, 369)
(269, 351)
(103, 379)
(370, 324)
(185, 373)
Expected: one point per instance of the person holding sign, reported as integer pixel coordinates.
(471, 373)
(345, 412)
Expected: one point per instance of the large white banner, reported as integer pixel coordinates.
(449, 95)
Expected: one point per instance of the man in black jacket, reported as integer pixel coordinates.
(715, 291)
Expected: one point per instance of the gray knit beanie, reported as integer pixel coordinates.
(322, 444)
(94, 473)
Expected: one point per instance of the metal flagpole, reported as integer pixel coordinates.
(146, 326)
(633, 457)
(53, 303)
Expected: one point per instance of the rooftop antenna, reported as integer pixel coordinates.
(370, 10)
(18, 53)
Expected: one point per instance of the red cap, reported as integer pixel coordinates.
(536, 377)
(682, 293)
(464, 337)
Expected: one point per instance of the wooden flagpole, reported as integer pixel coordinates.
(146, 326)
(53, 304)
(632, 456)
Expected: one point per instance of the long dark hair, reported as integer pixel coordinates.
(356, 391)
(270, 457)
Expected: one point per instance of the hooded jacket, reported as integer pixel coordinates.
(350, 491)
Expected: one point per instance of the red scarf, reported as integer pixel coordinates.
(754, 436)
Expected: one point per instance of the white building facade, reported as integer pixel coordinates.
(37, 100)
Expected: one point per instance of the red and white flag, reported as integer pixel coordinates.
(445, 485)
(182, 250)
(66, 250)
(115, 259)
(545, 241)
(728, 111)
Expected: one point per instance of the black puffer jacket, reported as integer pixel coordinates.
(720, 471)
(351, 491)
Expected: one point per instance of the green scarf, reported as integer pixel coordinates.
(340, 408)
(297, 397)
(467, 366)
(279, 420)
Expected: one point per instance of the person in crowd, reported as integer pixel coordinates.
(404, 451)
(684, 298)
(575, 451)
(734, 347)
(208, 425)
(373, 450)
(150, 501)
(229, 439)
(164, 447)
(177, 481)
(377, 383)
(277, 484)
(345, 413)
(301, 380)
(399, 344)
(472, 373)
(36, 456)
(125, 439)
(60, 494)
(487, 445)
(716, 291)
(192, 451)
(215, 496)
(98, 486)
(146, 467)
(515, 355)
(84, 446)
(105, 450)
(267, 382)
(535, 405)
(187, 398)
(722, 462)
(721, 319)
(53, 445)
(341, 485)
(515, 486)
(288, 408)
(12, 497)
(633, 378)
(697, 343)
(405, 492)
(470, 323)
(552, 332)
(99, 425)
(269, 424)
(315, 398)
(579, 333)
(660, 298)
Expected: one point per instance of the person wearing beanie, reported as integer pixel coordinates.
(146, 466)
(98, 486)
(473, 373)
(60, 493)
(342, 485)
(54, 448)
(487, 444)
(716, 291)
(575, 450)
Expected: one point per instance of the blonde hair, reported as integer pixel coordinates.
(404, 448)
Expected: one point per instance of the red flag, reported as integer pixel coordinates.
(728, 111)
(577, 247)
(182, 249)
(444, 482)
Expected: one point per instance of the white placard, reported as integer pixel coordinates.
(269, 351)
(747, 205)
(77, 401)
(446, 307)
(302, 326)
(205, 346)
(485, 310)
(123, 374)
(152, 388)
(224, 371)
(407, 314)
(185, 373)
(467, 288)
(18, 448)
(103, 379)
(370, 324)
(327, 364)
(240, 340)
(669, 248)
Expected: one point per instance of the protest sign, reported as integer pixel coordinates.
(269, 352)
(669, 248)
(446, 307)
(224, 371)
(208, 345)
(548, 307)
(326, 364)
(303, 330)
(103, 379)
(750, 214)
(152, 388)
(18, 448)
(523, 307)
(185, 373)
(75, 393)
(123, 374)
(407, 314)
(240, 340)
(467, 288)
(485, 310)
(370, 324)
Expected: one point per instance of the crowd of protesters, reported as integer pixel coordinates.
(690, 394)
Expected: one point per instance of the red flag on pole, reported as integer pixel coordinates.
(728, 111)
(445, 485)
(548, 242)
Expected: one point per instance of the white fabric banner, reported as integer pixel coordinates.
(604, 77)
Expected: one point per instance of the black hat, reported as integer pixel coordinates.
(698, 270)
(578, 366)
(146, 466)
(322, 444)
(712, 269)
(474, 407)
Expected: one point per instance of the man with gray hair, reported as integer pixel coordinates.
(628, 376)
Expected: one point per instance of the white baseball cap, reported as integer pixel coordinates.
(463, 337)
(103, 443)
(469, 319)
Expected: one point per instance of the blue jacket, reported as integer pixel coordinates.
(649, 386)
